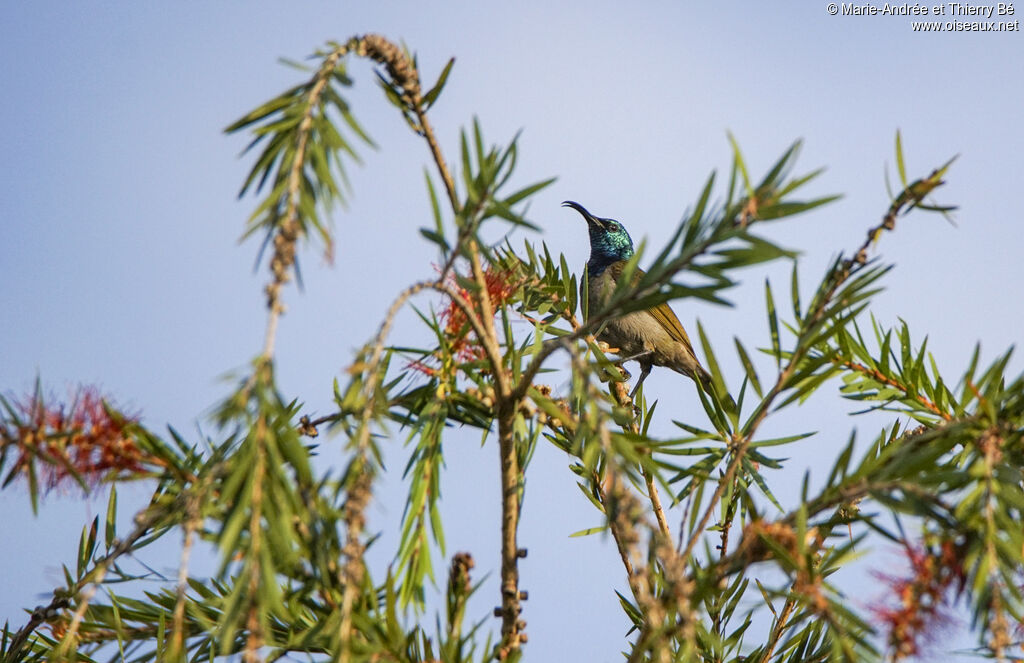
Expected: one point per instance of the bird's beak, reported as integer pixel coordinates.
(590, 218)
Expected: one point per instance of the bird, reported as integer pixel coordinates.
(652, 337)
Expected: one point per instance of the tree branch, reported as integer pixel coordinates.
(843, 271)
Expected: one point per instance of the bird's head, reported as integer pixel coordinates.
(609, 241)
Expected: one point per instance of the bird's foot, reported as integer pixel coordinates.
(643, 376)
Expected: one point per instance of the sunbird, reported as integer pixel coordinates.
(652, 337)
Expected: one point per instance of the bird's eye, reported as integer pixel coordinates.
(612, 226)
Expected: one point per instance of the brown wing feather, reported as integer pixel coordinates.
(663, 313)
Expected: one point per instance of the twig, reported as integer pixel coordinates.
(460, 586)
(737, 456)
(435, 151)
(489, 336)
(739, 558)
(254, 641)
(878, 376)
(622, 533)
(40, 615)
(618, 390)
(290, 229)
(71, 634)
(352, 572)
(999, 638)
(373, 365)
(723, 548)
(470, 221)
(404, 74)
(659, 512)
(511, 626)
(730, 511)
(145, 519)
(780, 627)
(377, 351)
(191, 525)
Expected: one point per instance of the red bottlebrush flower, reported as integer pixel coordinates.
(936, 577)
(84, 438)
(422, 367)
(463, 344)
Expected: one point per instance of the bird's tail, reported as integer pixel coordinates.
(704, 378)
(709, 387)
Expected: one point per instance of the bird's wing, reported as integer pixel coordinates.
(663, 313)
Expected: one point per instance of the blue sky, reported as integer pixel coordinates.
(119, 221)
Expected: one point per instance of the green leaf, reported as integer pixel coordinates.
(709, 356)
(795, 294)
(782, 165)
(779, 210)
(773, 323)
(754, 474)
(87, 546)
(436, 238)
(430, 97)
(269, 108)
(528, 191)
(110, 531)
(741, 166)
(588, 531)
(900, 167)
